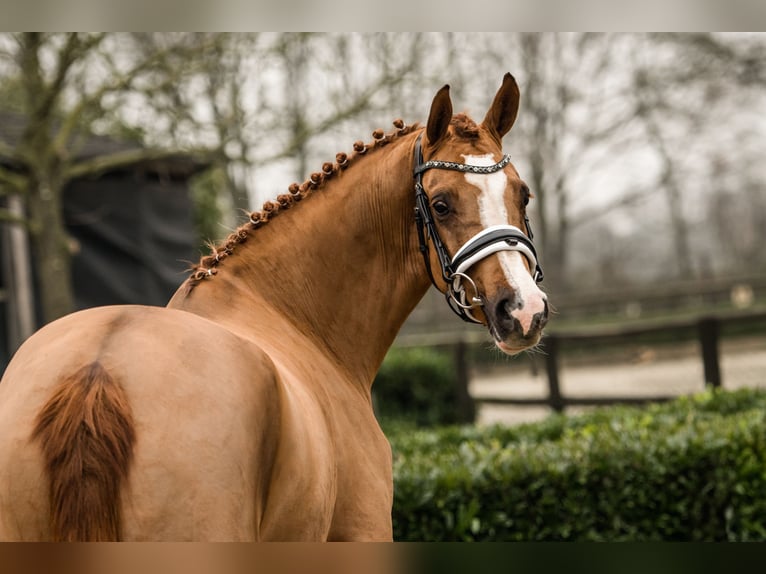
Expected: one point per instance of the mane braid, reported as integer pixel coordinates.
(207, 266)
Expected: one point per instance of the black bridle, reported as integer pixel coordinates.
(481, 245)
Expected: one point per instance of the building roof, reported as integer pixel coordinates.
(135, 157)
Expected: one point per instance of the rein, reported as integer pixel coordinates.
(483, 244)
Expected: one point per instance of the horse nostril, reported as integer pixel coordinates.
(505, 307)
(540, 319)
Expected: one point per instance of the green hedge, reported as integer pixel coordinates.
(418, 385)
(693, 469)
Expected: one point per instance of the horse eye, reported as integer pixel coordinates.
(441, 207)
(526, 200)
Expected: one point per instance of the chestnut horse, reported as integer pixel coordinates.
(242, 410)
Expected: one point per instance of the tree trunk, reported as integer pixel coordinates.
(669, 182)
(51, 248)
(43, 162)
(18, 269)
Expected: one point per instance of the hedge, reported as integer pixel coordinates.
(690, 470)
(418, 385)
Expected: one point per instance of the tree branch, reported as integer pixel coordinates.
(120, 82)
(341, 113)
(7, 216)
(99, 165)
(12, 179)
(628, 199)
(7, 150)
(745, 63)
(66, 57)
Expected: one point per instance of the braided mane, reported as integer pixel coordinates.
(208, 264)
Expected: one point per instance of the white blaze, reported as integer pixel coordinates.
(492, 211)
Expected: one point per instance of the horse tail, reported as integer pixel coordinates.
(87, 435)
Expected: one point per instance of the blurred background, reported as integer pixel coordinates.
(121, 155)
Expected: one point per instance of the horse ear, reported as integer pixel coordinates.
(502, 113)
(440, 116)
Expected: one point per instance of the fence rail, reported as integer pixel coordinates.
(707, 331)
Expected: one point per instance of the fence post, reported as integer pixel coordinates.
(465, 403)
(551, 350)
(708, 336)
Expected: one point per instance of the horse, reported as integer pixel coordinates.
(242, 410)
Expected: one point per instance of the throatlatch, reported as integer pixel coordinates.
(483, 244)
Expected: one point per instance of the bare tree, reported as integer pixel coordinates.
(251, 99)
(573, 110)
(596, 107)
(262, 100)
(696, 96)
(647, 108)
(66, 82)
(330, 84)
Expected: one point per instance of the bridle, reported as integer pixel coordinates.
(483, 244)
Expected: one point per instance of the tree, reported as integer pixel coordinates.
(592, 105)
(697, 98)
(622, 127)
(228, 93)
(329, 85)
(66, 82)
(573, 111)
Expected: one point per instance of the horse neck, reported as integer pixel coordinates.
(341, 268)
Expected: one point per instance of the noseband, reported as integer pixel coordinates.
(483, 244)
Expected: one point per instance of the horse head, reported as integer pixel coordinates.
(471, 207)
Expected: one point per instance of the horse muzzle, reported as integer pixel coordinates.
(515, 324)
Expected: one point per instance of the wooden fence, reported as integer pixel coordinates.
(707, 330)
